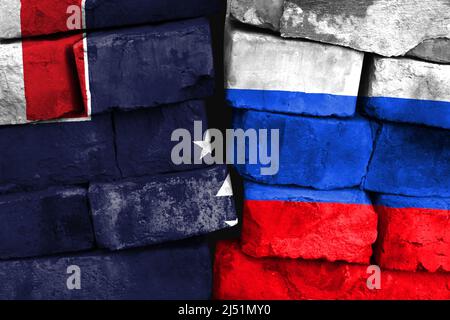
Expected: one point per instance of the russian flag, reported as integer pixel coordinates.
(293, 222)
(74, 76)
(269, 73)
(24, 18)
(407, 90)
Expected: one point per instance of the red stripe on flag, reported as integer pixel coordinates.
(45, 16)
(309, 230)
(52, 89)
(240, 277)
(413, 239)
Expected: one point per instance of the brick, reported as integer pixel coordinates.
(143, 138)
(23, 18)
(268, 73)
(311, 149)
(406, 90)
(240, 277)
(411, 161)
(291, 222)
(144, 211)
(259, 13)
(414, 233)
(46, 222)
(171, 272)
(35, 156)
(435, 50)
(388, 28)
(180, 66)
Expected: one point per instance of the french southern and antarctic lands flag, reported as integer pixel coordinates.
(70, 77)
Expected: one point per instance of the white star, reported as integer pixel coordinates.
(226, 190)
(205, 145)
(232, 223)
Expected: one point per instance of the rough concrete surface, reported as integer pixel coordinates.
(385, 27)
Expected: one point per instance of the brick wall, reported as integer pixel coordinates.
(90, 199)
(360, 208)
(93, 206)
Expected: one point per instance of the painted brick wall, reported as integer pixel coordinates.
(360, 206)
(91, 203)
(93, 206)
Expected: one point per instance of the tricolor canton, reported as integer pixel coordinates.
(75, 76)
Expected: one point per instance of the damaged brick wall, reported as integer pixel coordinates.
(89, 195)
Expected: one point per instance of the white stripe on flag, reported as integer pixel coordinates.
(10, 26)
(12, 92)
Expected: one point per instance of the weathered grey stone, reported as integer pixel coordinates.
(386, 27)
(408, 78)
(436, 50)
(259, 13)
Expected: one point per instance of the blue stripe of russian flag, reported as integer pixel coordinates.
(320, 104)
(429, 112)
(256, 191)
